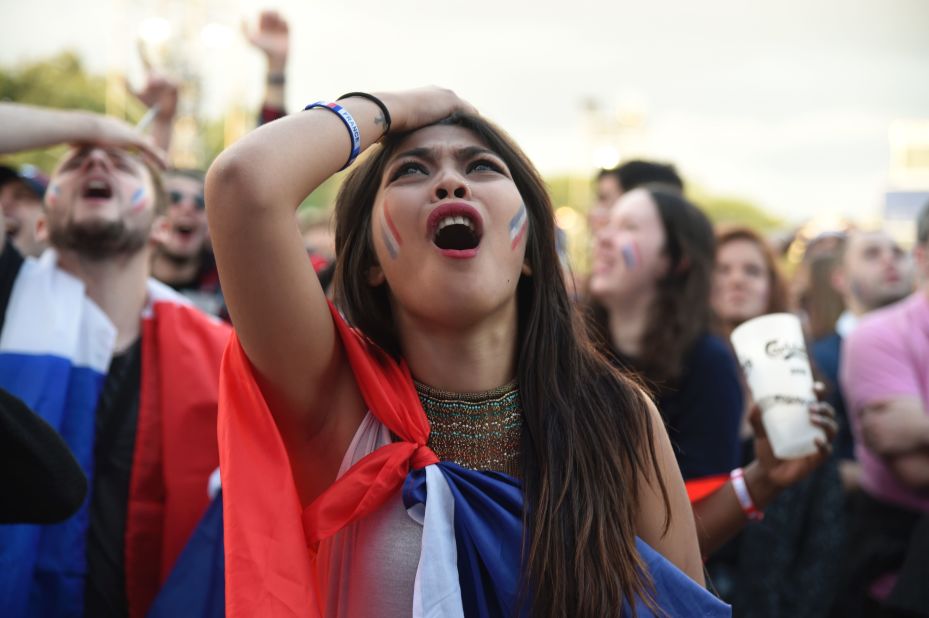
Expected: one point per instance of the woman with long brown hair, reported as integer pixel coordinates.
(803, 527)
(747, 280)
(652, 276)
(464, 349)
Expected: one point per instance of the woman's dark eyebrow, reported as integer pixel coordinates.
(474, 151)
(419, 153)
(428, 154)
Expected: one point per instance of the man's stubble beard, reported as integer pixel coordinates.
(98, 240)
(178, 259)
(878, 298)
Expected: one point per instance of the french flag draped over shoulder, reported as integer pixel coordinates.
(470, 560)
(55, 351)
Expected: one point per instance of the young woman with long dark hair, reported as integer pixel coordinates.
(651, 281)
(464, 350)
(803, 529)
(747, 281)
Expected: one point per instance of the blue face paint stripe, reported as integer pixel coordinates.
(516, 221)
(630, 257)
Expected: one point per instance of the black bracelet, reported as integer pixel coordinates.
(277, 79)
(373, 99)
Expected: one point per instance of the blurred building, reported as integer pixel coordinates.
(615, 133)
(908, 178)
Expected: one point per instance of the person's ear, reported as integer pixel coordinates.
(526, 269)
(41, 229)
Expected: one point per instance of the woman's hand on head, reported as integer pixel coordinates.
(785, 472)
(412, 109)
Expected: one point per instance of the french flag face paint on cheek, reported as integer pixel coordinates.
(139, 199)
(390, 234)
(631, 256)
(52, 195)
(518, 226)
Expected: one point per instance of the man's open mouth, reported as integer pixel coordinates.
(97, 190)
(184, 230)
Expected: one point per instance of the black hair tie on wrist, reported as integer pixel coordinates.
(373, 99)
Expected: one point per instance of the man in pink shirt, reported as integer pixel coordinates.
(885, 379)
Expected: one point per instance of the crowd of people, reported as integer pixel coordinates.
(211, 404)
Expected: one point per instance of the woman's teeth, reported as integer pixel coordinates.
(454, 221)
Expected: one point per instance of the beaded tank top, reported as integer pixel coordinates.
(480, 431)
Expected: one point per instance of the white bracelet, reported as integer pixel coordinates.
(745, 498)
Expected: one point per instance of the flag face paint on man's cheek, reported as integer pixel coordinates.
(139, 199)
(51, 196)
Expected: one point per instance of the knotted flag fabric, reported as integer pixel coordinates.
(55, 350)
(470, 561)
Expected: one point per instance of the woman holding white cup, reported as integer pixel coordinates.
(750, 299)
(656, 241)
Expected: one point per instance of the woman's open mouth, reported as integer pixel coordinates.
(456, 230)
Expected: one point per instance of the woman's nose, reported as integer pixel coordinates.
(452, 185)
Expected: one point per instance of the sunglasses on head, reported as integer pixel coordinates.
(177, 197)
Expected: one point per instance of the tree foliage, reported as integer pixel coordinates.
(59, 81)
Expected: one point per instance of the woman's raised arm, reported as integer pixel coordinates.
(274, 298)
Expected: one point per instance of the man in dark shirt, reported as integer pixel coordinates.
(102, 202)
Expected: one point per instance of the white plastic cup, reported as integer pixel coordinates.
(773, 356)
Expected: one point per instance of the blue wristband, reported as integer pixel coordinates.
(349, 122)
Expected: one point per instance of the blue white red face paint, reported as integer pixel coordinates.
(518, 226)
(390, 234)
(52, 194)
(631, 255)
(139, 199)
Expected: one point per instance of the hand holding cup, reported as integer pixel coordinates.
(774, 358)
(782, 473)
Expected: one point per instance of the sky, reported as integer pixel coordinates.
(785, 104)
